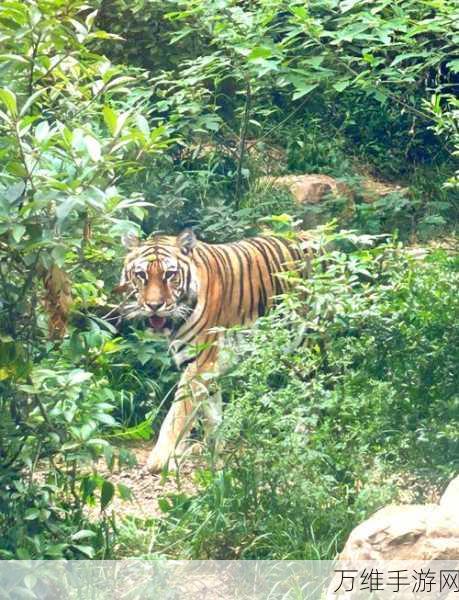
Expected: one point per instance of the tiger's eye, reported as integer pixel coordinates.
(141, 275)
(170, 274)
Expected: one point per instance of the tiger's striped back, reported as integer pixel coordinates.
(237, 284)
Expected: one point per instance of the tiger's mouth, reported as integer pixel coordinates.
(158, 323)
(169, 322)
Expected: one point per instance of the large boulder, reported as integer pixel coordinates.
(312, 188)
(308, 189)
(409, 532)
(406, 539)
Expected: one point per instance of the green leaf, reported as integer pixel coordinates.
(9, 100)
(453, 65)
(300, 12)
(42, 131)
(109, 455)
(259, 52)
(31, 100)
(124, 492)
(303, 88)
(15, 191)
(105, 418)
(56, 551)
(86, 550)
(83, 534)
(23, 553)
(407, 55)
(5, 118)
(90, 19)
(32, 514)
(314, 61)
(121, 122)
(346, 5)
(78, 140)
(341, 85)
(14, 57)
(118, 81)
(110, 118)
(18, 232)
(380, 95)
(433, 220)
(93, 148)
(265, 66)
(88, 486)
(79, 376)
(107, 493)
(58, 253)
(142, 124)
(164, 505)
(65, 207)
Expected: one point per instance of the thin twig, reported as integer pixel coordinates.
(270, 131)
(35, 45)
(9, 305)
(23, 157)
(242, 139)
(51, 69)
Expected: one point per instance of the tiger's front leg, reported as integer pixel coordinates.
(191, 393)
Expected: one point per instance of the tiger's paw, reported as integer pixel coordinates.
(158, 462)
(196, 449)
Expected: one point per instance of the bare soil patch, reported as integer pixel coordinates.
(146, 488)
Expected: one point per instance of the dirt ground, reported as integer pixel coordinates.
(147, 488)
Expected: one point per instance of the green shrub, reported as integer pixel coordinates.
(69, 129)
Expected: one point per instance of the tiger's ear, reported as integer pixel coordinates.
(186, 241)
(124, 284)
(130, 240)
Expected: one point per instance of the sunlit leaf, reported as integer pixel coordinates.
(260, 52)
(18, 232)
(42, 131)
(83, 534)
(31, 100)
(341, 85)
(14, 58)
(110, 118)
(302, 89)
(9, 100)
(142, 124)
(93, 146)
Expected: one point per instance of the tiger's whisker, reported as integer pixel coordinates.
(120, 305)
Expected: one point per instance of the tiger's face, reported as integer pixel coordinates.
(160, 273)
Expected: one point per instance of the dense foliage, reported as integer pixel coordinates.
(98, 139)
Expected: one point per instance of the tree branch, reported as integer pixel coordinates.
(242, 140)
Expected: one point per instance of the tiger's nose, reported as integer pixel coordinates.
(154, 306)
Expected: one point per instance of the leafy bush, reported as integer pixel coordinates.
(69, 130)
(338, 85)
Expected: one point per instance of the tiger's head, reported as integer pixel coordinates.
(161, 274)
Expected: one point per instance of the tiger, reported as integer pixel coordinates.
(191, 292)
